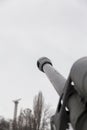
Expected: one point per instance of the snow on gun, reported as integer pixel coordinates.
(72, 104)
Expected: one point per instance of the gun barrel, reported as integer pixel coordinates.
(58, 81)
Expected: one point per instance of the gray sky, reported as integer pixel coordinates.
(29, 30)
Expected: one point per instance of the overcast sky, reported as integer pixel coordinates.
(30, 29)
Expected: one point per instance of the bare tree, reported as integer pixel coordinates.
(25, 119)
(37, 108)
(42, 113)
(46, 118)
(39, 119)
(4, 125)
(21, 120)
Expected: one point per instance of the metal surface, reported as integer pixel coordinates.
(79, 76)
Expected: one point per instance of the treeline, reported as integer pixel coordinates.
(36, 119)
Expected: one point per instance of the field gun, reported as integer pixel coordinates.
(72, 105)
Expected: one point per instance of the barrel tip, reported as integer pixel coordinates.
(42, 61)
